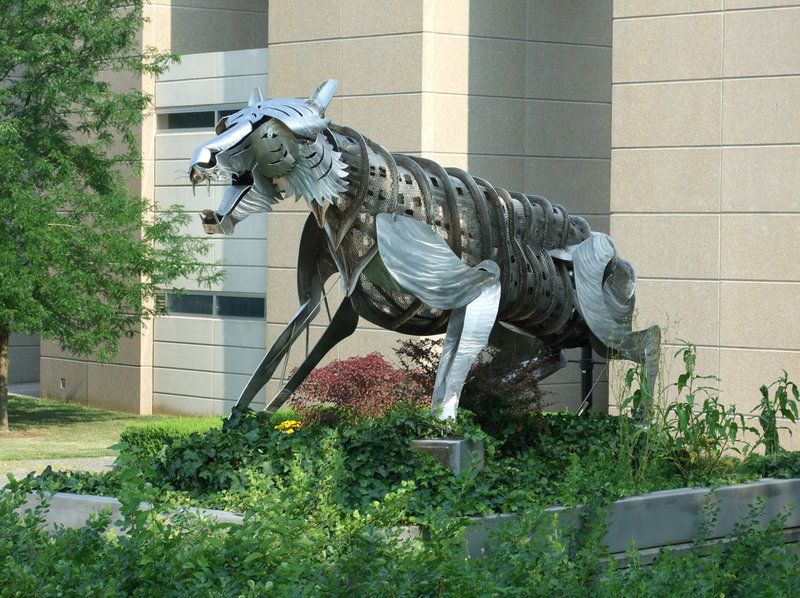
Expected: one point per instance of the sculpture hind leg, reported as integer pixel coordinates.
(604, 289)
(642, 347)
(509, 339)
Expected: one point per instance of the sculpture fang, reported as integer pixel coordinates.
(420, 249)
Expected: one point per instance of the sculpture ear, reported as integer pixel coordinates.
(322, 96)
(255, 97)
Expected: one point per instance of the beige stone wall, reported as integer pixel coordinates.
(517, 93)
(705, 168)
(195, 26)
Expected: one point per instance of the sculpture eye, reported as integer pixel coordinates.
(222, 125)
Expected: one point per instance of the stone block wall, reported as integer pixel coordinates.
(705, 167)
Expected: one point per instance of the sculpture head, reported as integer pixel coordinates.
(271, 149)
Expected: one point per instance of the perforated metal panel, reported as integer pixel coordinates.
(476, 220)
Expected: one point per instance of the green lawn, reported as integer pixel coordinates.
(44, 429)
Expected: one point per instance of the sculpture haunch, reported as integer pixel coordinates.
(421, 249)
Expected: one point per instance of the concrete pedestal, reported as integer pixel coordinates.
(456, 454)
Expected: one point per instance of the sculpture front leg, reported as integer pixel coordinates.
(343, 324)
(299, 322)
(420, 261)
(467, 334)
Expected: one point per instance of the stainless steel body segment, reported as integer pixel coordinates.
(420, 249)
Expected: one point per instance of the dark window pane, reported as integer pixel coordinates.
(242, 307)
(189, 120)
(190, 304)
(227, 112)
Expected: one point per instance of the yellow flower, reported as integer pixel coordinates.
(289, 426)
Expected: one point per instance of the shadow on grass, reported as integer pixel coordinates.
(24, 412)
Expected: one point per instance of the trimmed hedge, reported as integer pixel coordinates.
(149, 438)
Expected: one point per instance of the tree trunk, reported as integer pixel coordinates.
(5, 333)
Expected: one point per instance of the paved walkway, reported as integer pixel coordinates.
(22, 468)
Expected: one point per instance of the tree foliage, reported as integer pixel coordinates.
(81, 256)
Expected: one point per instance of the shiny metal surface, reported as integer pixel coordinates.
(604, 285)
(467, 334)
(424, 265)
(272, 359)
(342, 325)
(420, 249)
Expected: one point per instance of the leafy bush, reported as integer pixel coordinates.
(699, 436)
(234, 468)
(301, 542)
(354, 389)
(783, 464)
(501, 389)
(704, 439)
(571, 459)
(770, 407)
(323, 504)
(554, 459)
(149, 438)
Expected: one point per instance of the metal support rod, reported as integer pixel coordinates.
(587, 374)
(587, 365)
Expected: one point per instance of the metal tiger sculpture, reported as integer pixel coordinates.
(420, 249)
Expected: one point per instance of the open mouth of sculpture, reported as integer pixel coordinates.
(229, 154)
(222, 220)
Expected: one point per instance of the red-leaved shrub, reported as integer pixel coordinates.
(357, 388)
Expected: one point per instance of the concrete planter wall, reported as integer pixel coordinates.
(667, 518)
(73, 510)
(648, 522)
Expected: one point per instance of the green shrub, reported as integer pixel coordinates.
(301, 542)
(704, 439)
(701, 432)
(568, 460)
(558, 458)
(149, 438)
(237, 466)
(777, 465)
(769, 408)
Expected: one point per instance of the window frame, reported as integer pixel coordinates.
(170, 311)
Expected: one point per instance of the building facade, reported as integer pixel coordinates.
(673, 125)
(705, 172)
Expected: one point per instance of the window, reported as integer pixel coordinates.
(240, 307)
(190, 304)
(212, 304)
(193, 119)
(187, 120)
